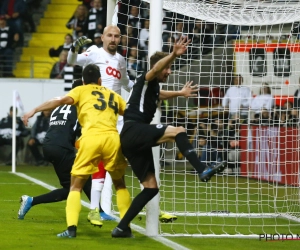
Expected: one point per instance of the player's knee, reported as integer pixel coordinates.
(97, 184)
(119, 184)
(180, 130)
(65, 184)
(63, 195)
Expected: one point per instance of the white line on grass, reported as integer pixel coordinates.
(137, 228)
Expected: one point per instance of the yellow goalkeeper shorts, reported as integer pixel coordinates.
(101, 147)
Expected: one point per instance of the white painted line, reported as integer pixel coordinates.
(137, 228)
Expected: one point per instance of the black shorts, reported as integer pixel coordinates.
(137, 140)
(62, 160)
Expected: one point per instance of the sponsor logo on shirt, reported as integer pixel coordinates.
(113, 72)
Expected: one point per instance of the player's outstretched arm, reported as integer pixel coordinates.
(73, 52)
(51, 104)
(188, 90)
(179, 48)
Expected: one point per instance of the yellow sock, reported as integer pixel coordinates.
(73, 208)
(123, 201)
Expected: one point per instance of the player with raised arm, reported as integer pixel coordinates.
(98, 109)
(137, 145)
(58, 148)
(114, 76)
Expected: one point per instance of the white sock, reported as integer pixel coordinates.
(97, 186)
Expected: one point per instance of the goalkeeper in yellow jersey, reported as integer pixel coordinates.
(98, 109)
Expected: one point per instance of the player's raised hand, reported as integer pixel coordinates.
(81, 41)
(26, 117)
(189, 90)
(180, 46)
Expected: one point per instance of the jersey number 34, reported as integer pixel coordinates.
(103, 103)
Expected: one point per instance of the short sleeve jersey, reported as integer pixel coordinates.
(112, 67)
(143, 100)
(63, 127)
(97, 108)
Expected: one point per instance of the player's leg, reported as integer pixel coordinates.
(96, 191)
(185, 147)
(143, 167)
(87, 159)
(62, 160)
(73, 206)
(123, 196)
(97, 186)
(115, 164)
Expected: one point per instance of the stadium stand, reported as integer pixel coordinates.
(50, 33)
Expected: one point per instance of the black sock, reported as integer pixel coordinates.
(137, 205)
(72, 229)
(53, 196)
(186, 148)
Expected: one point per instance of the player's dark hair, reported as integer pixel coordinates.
(156, 57)
(91, 74)
(76, 83)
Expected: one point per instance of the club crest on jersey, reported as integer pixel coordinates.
(113, 72)
(159, 126)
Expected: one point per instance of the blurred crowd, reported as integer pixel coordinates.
(217, 136)
(89, 19)
(31, 140)
(16, 17)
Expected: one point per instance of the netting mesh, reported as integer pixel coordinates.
(259, 193)
(238, 12)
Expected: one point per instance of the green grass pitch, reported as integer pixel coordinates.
(39, 228)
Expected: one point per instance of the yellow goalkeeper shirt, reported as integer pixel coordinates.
(97, 108)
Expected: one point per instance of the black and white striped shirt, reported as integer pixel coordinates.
(6, 38)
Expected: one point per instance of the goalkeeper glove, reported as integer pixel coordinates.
(81, 41)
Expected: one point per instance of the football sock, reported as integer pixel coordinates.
(95, 198)
(136, 206)
(97, 186)
(123, 201)
(73, 208)
(53, 196)
(186, 148)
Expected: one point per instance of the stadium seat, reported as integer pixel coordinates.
(35, 61)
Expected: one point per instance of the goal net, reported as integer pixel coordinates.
(245, 55)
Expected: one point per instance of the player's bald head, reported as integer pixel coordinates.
(111, 38)
(110, 28)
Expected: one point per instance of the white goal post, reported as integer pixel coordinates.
(248, 42)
